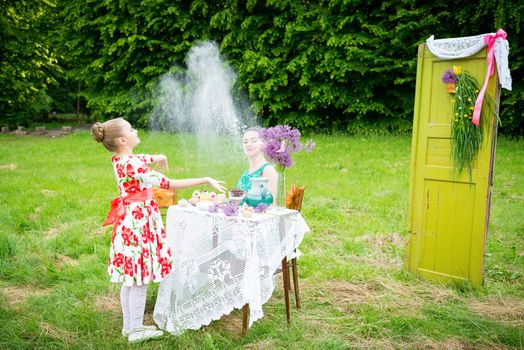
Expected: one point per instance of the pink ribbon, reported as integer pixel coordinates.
(489, 39)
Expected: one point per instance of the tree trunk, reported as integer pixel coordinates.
(78, 104)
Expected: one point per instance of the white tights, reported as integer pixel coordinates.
(133, 300)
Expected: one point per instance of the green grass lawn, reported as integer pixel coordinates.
(55, 294)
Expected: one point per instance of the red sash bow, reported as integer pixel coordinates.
(118, 210)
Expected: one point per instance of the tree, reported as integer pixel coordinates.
(28, 63)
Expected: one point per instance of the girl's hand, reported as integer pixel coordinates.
(162, 163)
(216, 184)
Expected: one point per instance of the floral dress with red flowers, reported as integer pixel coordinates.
(139, 252)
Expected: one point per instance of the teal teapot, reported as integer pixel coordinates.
(258, 193)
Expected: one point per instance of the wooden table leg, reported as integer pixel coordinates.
(245, 316)
(295, 281)
(285, 275)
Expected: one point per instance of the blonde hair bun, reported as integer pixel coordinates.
(108, 132)
(98, 132)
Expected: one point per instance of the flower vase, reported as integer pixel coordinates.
(281, 189)
(451, 88)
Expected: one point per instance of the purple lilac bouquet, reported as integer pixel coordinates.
(280, 142)
(449, 76)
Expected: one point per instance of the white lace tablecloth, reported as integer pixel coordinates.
(222, 263)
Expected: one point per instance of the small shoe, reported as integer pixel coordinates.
(125, 332)
(141, 333)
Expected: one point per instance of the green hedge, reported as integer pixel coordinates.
(332, 65)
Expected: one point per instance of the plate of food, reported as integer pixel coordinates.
(236, 195)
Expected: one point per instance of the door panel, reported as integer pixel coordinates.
(448, 213)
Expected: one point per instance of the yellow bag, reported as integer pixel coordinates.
(164, 198)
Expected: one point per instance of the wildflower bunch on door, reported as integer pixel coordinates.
(466, 137)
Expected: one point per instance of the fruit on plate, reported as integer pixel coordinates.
(236, 192)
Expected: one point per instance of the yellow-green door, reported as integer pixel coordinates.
(448, 215)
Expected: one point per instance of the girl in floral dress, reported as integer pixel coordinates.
(139, 253)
